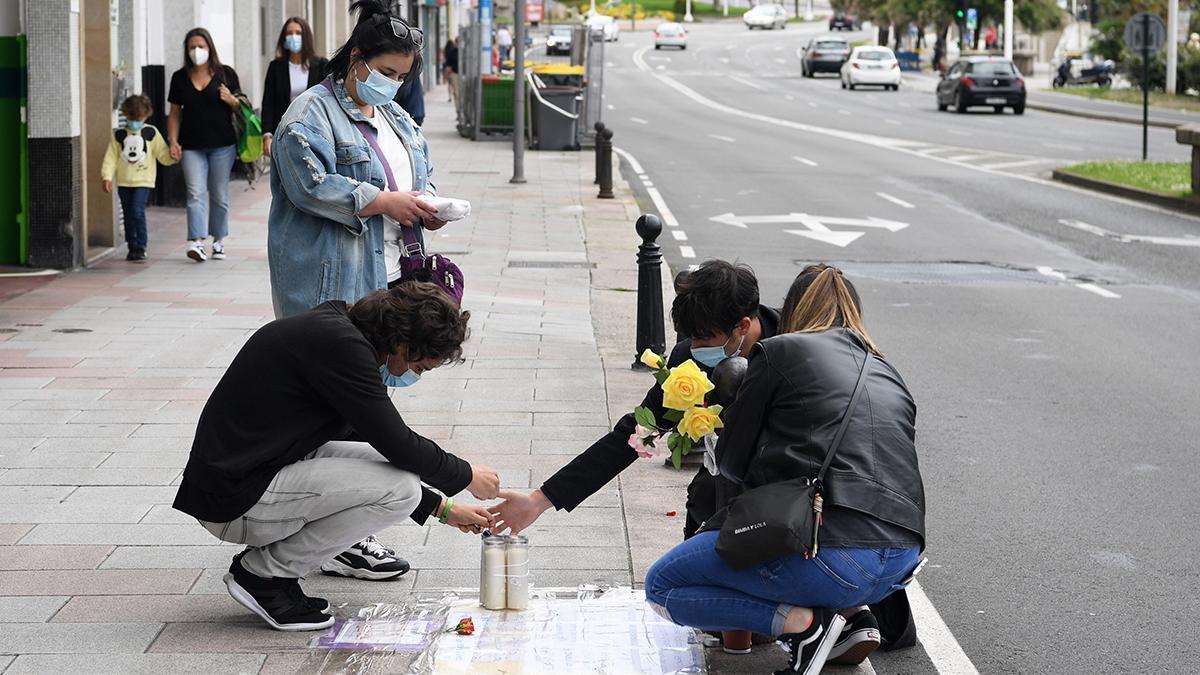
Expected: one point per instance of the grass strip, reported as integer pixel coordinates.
(1173, 179)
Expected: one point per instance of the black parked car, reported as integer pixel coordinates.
(824, 55)
(982, 81)
(842, 21)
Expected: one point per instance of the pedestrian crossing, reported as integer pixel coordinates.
(1007, 162)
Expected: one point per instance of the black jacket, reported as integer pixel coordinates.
(277, 91)
(788, 409)
(609, 456)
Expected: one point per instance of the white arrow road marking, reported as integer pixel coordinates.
(842, 239)
(1130, 238)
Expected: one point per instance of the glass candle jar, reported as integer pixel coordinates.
(516, 555)
(491, 572)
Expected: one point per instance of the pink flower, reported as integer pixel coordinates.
(646, 442)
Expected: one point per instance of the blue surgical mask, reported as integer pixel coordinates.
(713, 356)
(134, 125)
(408, 379)
(377, 89)
(293, 43)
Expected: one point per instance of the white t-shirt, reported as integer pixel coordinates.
(504, 38)
(400, 162)
(297, 78)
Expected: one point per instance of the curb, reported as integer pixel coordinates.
(1191, 206)
(1075, 112)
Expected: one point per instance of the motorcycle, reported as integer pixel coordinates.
(1098, 73)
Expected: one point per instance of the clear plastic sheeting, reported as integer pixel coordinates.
(565, 631)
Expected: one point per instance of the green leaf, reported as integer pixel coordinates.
(644, 417)
(673, 416)
(677, 459)
(661, 375)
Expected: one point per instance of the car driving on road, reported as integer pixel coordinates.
(559, 40)
(982, 81)
(842, 21)
(767, 17)
(612, 31)
(871, 65)
(824, 54)
(670, 34)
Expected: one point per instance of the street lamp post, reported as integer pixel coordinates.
(687, 16)
(1172, 44)
(1008, 29)
(519, 96)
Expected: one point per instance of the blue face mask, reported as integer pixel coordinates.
(713, 356)
(134, 125)
(408, 379)
(293, 43)
(377, 89)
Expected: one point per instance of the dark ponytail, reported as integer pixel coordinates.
(372, 36)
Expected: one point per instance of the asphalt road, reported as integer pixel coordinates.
(1051, 365)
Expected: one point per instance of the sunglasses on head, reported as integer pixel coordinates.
(406, 32)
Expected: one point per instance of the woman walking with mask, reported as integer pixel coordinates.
(296, 67)
(201, 134)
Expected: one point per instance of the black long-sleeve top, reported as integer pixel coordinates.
(609, 456)
(297, 384)
(277, 89)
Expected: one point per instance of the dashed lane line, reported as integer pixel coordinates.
(638, 120)
(719, 137)
(895, 200)
(664, 211)
(679, 235)
(806, 162)
(1102, 292)
(1086, 286)
(687, 252)
(748, 83)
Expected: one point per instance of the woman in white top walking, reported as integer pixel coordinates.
(296, 67)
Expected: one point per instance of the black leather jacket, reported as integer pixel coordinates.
(795, 393)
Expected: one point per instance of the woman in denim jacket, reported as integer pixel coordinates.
(334, 226)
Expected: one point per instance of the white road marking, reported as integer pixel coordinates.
(664, 211)
(638, 120)
(610, 107)
(1062, 146)
(661, 67)
(780, 61)
(939, 643)
(748, 83)
(1013, 165)
(789, 97)
(812, 104)
(890, 143)
(843, 111)
(895, 200)
(808, 162)
(679, 235)
(723, 138)
(895, 122)
(1052, 273)
(724, 59)
(643, 177)
(633, 163)
(687, 252)
(1131, 238)
(971, 157)
(1102, 292)
(647, 183)
(693, 268)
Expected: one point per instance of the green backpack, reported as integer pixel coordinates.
(249, 131)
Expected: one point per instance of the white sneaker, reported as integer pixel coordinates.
(196, 251)
(218, 250)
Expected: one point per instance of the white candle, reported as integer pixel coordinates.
(491, 580)
(517, 558)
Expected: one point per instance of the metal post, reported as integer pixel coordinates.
(604, 147)
(1145, 85)
(687, 16)
(1008, 29)
(519, 96)
(633, 16)
(599, 127)
(808, 13)
(1172, 44)
(651, 332)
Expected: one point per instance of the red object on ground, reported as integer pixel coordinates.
(464, 627)
(671, 514)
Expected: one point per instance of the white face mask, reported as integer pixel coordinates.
(199, 56)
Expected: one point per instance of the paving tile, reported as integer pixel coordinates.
(31, 494)
(329, 587)
(165, 430)
(82, 405)
(20, 443)
(31, 392)
(96, 582)
(164, 459)
(539, 578)
(141, 494)
(52, 557)
(61, 430)
(290, 664)
(225, 638)
(132, 476)
(30, 608)
(172, 557)
(134, 417)
(45, 460)
(166, 514)
(11, 534)
(121, 535)
(151, 608)
(138, 664)
(86, 639)
(71, 513)
(36, 416)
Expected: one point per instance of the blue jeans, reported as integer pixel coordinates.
(133, 210)
(698, 589)
(206, 173)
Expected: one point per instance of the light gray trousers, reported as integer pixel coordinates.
(316, 508)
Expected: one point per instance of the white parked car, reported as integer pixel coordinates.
(769, 16)
(871, 65)
(670, 34)
(612, 31)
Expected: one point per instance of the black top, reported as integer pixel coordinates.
(297, 384)
(277, 90)
(411, 97)
(206, 120)
(611, 455)
(451, 58)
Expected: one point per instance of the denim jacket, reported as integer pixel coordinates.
(323, 172)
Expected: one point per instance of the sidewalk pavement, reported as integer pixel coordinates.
(103, 373)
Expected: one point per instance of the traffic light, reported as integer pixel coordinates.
(960, 11)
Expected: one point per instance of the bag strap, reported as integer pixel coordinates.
(412, 245)
(837, 439)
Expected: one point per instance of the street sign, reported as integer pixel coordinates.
(1140, 37)
(817, 227)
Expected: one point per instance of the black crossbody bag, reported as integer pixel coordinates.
(778, 519)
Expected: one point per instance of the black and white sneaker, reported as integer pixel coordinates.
(810, 649)
(319, 604)
(859, 638)
(279, 602)
(368, 559)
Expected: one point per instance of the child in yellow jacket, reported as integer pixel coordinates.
(132, 155)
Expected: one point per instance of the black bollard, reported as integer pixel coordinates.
(651, 333)
(604, 147)
(599, 126)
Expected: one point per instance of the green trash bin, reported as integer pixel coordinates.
(496, 103)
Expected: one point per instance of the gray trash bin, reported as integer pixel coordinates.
(556, 118)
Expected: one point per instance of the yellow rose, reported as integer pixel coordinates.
(652, 360)
(685, 387)
(699, 422)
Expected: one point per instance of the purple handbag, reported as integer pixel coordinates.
(415, 264)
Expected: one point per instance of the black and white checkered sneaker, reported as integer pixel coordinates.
(368, 559)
